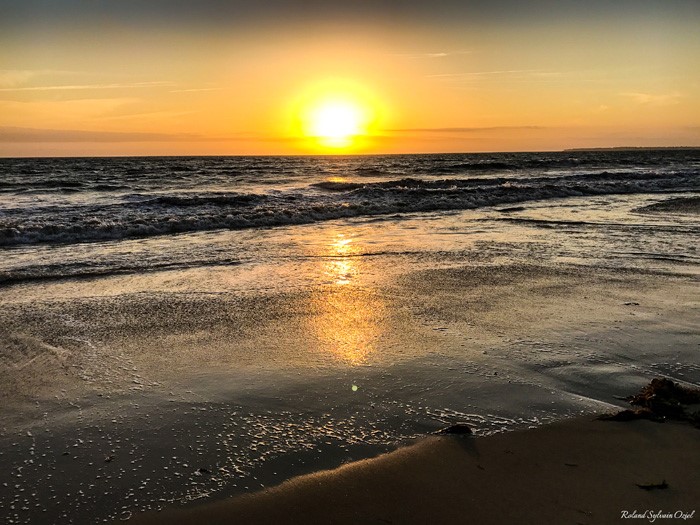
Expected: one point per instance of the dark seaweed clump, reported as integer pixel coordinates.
(661, 400)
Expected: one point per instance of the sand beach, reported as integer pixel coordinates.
(579, 471)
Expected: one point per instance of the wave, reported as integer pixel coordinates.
(218, 199)
(442, 184)
(144, 215)
(50, 186)
(408, 183)
(111, 187)
(101, 269)
(471, 166)
(338, 186)
(55, 185)
(370, 172)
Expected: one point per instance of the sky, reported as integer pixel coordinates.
(215, 77)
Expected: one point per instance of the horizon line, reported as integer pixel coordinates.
(584, 149)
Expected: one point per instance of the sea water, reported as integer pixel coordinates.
(72, 217)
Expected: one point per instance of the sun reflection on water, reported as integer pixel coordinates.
(340, 260)
(347, 316)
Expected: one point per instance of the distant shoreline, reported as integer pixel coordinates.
(636, 148)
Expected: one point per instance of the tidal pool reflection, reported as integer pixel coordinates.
(340, 259)
(348, 316)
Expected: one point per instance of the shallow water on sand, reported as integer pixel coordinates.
(161, 369)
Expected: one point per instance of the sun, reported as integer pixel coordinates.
(334, 123)
(335, 116)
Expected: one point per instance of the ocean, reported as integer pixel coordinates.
(71, 217)
(181, 329)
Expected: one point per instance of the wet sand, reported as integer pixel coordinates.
(578, 471)
(680, 205)
(145, 392)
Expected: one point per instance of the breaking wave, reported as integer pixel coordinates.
(143, 215)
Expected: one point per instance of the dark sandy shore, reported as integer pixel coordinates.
(578, 471)
(679, 205)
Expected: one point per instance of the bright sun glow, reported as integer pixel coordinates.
(335, 122)
(337, 115)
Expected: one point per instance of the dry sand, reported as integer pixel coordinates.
(577, 471)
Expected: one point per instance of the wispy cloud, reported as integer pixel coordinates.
(473, 74)
(464, 129)
(15, 77)
(194, 90)
(519, 76)
(71, 87)
(148, 115)
(36, 135)
(10, 78)
(663, 99)
(438, 54)
(16, 134)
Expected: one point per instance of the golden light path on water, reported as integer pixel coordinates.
(348, 317)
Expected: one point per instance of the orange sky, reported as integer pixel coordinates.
(485, 83)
